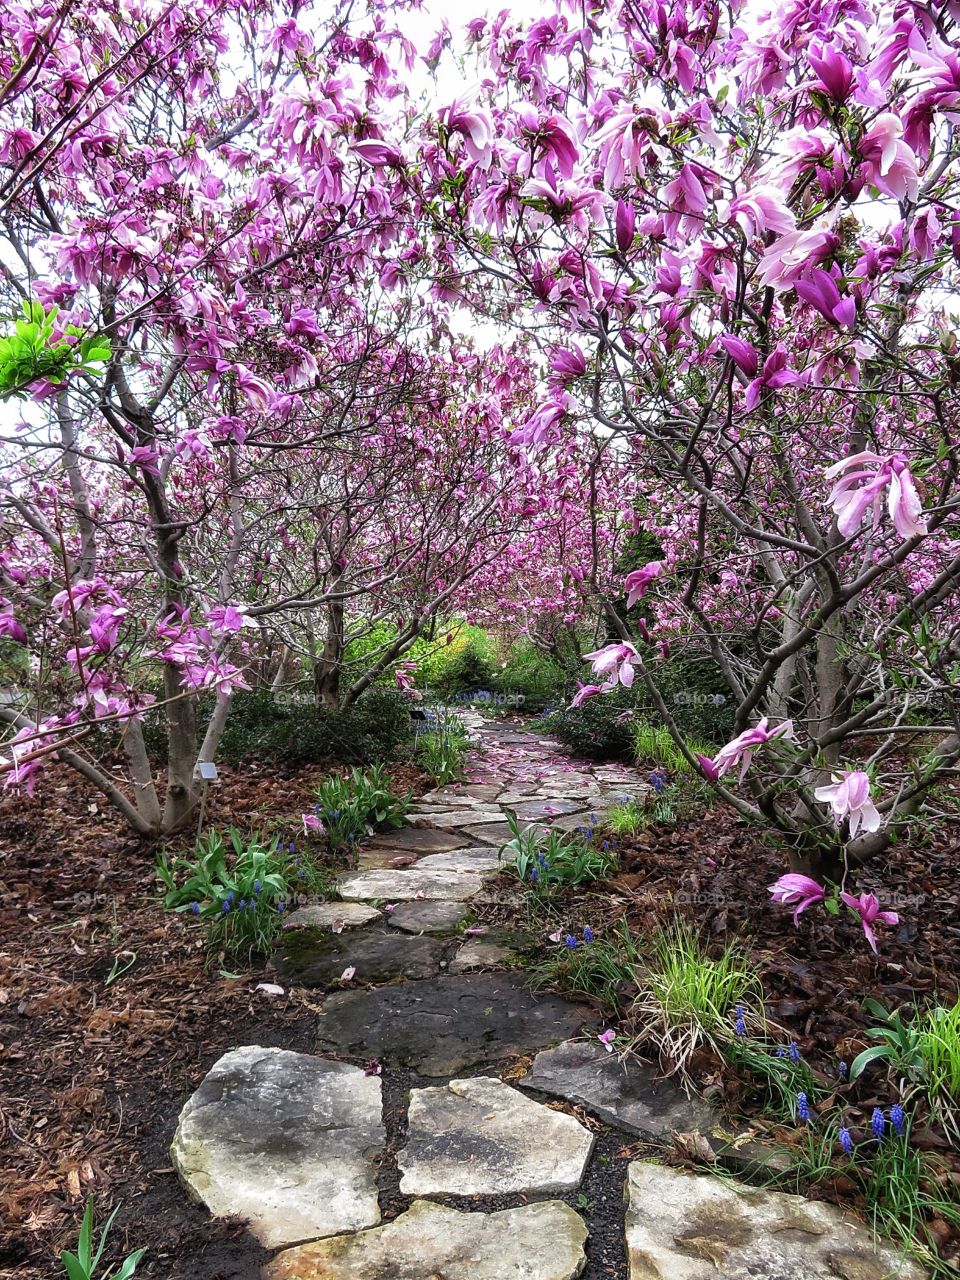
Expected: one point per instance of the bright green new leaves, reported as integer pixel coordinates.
(83, 1264)
(32, 354)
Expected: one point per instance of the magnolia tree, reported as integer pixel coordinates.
(235, 436)
(736, 234)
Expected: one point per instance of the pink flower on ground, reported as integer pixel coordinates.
(867, 477)
(740, 750)
(638, 582)
(796, 889)
(607, 1038)
(849, 797)
(615, 662)
(312, 824)
(868, 909)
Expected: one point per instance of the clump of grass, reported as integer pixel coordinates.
(653, 744)
(601, 968)
(938, 1047)
(546, 861)
(627, 819)
(690, 998)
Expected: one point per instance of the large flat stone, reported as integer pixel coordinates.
(405, 886)
(481, 953)
(480, 1137)
(429, 917)
(430, 1242)
(684, 1226)
(285, 1141)
(441, 1025)
(545, 809)
(332, 916)
(312, 959)
(415, 840)
(457, 817)
(627, 1095)
(494, 833)
(481, 860)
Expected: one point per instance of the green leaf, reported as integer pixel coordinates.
(71, 1265)
(129, 1266)
(873, 1054)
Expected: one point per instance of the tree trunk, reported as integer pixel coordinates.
(181, 750)
(329, 668)
(144, 789)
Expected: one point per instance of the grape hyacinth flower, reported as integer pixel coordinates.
(195, 908)
(878, 1124)
(846, 1141)
(281, 907)
(794, 1051)
(898, 1119)
(842, 1070)
(570, 941)
(740, 1026)
(587, 934)
(803, 1108)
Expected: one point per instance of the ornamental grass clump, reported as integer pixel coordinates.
(690, 999)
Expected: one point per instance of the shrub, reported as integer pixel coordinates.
(375, 728)
(466, 663)
(602, 728)
(528, 671)
(696, 696)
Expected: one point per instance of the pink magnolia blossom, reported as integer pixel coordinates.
(868, 909)
(849, 797)
(740, 750)
(585, 691)
(797, 890)
(820, 289)
(638, 582)
(615, 662)
(864, 480)
(312, 824)
(607, 1038)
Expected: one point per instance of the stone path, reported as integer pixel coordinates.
(493, 1176)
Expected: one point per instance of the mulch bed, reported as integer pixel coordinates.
(93, 1075)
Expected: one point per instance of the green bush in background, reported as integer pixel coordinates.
(542, 680)
(602, 728)
(466, 663)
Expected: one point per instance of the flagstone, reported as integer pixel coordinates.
(689, 1226)
(332, 916)
(438, 1026)
(284, 1141)
(321, 959)
(428, 917)
(415, 840)
(407, 885)
(431, 1242)
(482, 1137)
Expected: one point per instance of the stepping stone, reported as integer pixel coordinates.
(546, 809)
(332, 916)
(430, 1242)
(458, 817)
(697, 1227)
(627, 1095)
(573, 821)
(429, 917)
(441, 1025)
(495, 833)
(321, 959)
(416, 840)
(481, 861)
(467, 796)
(480, 1137)
(481, 953)
(406, 886)
(283, 1140)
